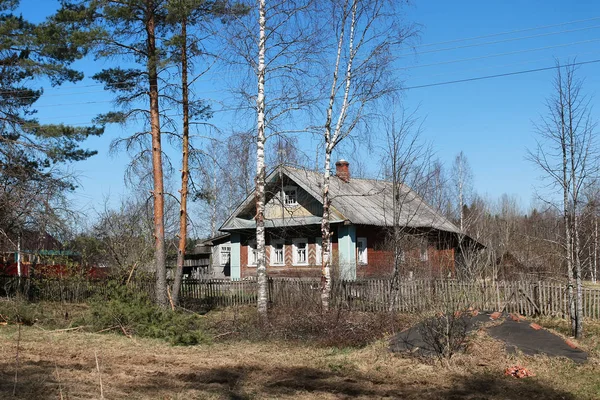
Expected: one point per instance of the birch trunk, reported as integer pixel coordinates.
(567, 222)
(326, 238)
(332, 137)
(578, 280)
(183, 220)
(595, 261)
(575, 205)
(261, 268)
(157, 168)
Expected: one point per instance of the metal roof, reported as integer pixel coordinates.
(360, 201)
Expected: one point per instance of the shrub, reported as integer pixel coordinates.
(337, 328)
(19, 311)
(133, 313)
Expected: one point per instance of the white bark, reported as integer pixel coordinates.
(261, 268)
(332, 137)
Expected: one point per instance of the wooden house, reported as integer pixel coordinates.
(361, 221)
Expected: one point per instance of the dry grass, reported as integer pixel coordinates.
(62, 364)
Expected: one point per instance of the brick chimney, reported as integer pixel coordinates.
(342, 170)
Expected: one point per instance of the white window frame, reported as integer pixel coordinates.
(252, 253)
(424, 253)
(318, 250)
(285, 196)
(224, 249)
(274, 252)
(295, 243)
(362, 258)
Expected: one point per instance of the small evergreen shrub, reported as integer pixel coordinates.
(133, 313)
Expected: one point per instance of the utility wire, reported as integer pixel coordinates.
(228, 109)
(507, 32)
(499, 41)
(496, 55)
(416, 47)
(501, 75)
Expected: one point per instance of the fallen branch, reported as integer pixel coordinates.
(223, 334)
(107, 329)
(70, 329)
(17, 361)
(99, 375)
(125, 332)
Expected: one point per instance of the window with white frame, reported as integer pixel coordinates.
(424, 253)
(290, 196)
(361, 250)
(318, 250)
(252, 253)
(225, 254)
(277, 252)
(300, 251)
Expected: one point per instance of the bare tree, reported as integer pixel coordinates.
(278, 41)
(365, 38)
(407, 164)
(566, 154)
(462, 178)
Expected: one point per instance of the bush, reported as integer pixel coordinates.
(337, 328)
(19, 311)
(133, 313)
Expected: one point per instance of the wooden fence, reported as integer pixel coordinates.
(525, 297)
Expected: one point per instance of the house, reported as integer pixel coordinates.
(210, 259)
(40, 253)
(361, 219)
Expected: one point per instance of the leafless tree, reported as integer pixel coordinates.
(566, 154)
(407, 164)
(365, 38)
(277, 42)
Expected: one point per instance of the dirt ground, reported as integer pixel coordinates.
(62, 365)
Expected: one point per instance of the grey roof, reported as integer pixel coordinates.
(360, 201)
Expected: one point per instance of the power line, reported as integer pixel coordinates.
(500, 75)
(513, 64)
(507, 32)
(496, 55)
(501, 41)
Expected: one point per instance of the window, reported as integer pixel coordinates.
(361, 250)
(300, 250)
(252, 253)
(225, 254)
(318, 250)
(277, 252)
(424, 254)
(290, 196)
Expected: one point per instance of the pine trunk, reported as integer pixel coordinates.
(183, 219)
(261, 268)
(157, 168)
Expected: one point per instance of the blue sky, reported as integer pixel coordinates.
(490, 120)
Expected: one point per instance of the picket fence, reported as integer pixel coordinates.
(524, 297)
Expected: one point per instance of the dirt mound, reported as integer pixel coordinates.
(515, 331)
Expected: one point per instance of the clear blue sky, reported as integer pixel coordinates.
(490, 120)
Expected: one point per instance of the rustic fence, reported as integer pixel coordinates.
(525, 297)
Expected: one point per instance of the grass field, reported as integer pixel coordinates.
(59, 364)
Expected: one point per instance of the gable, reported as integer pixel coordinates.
(307, 210)
(279, 205)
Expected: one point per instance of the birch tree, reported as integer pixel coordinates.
(365, 38)
(279, 42)
(566, 153)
